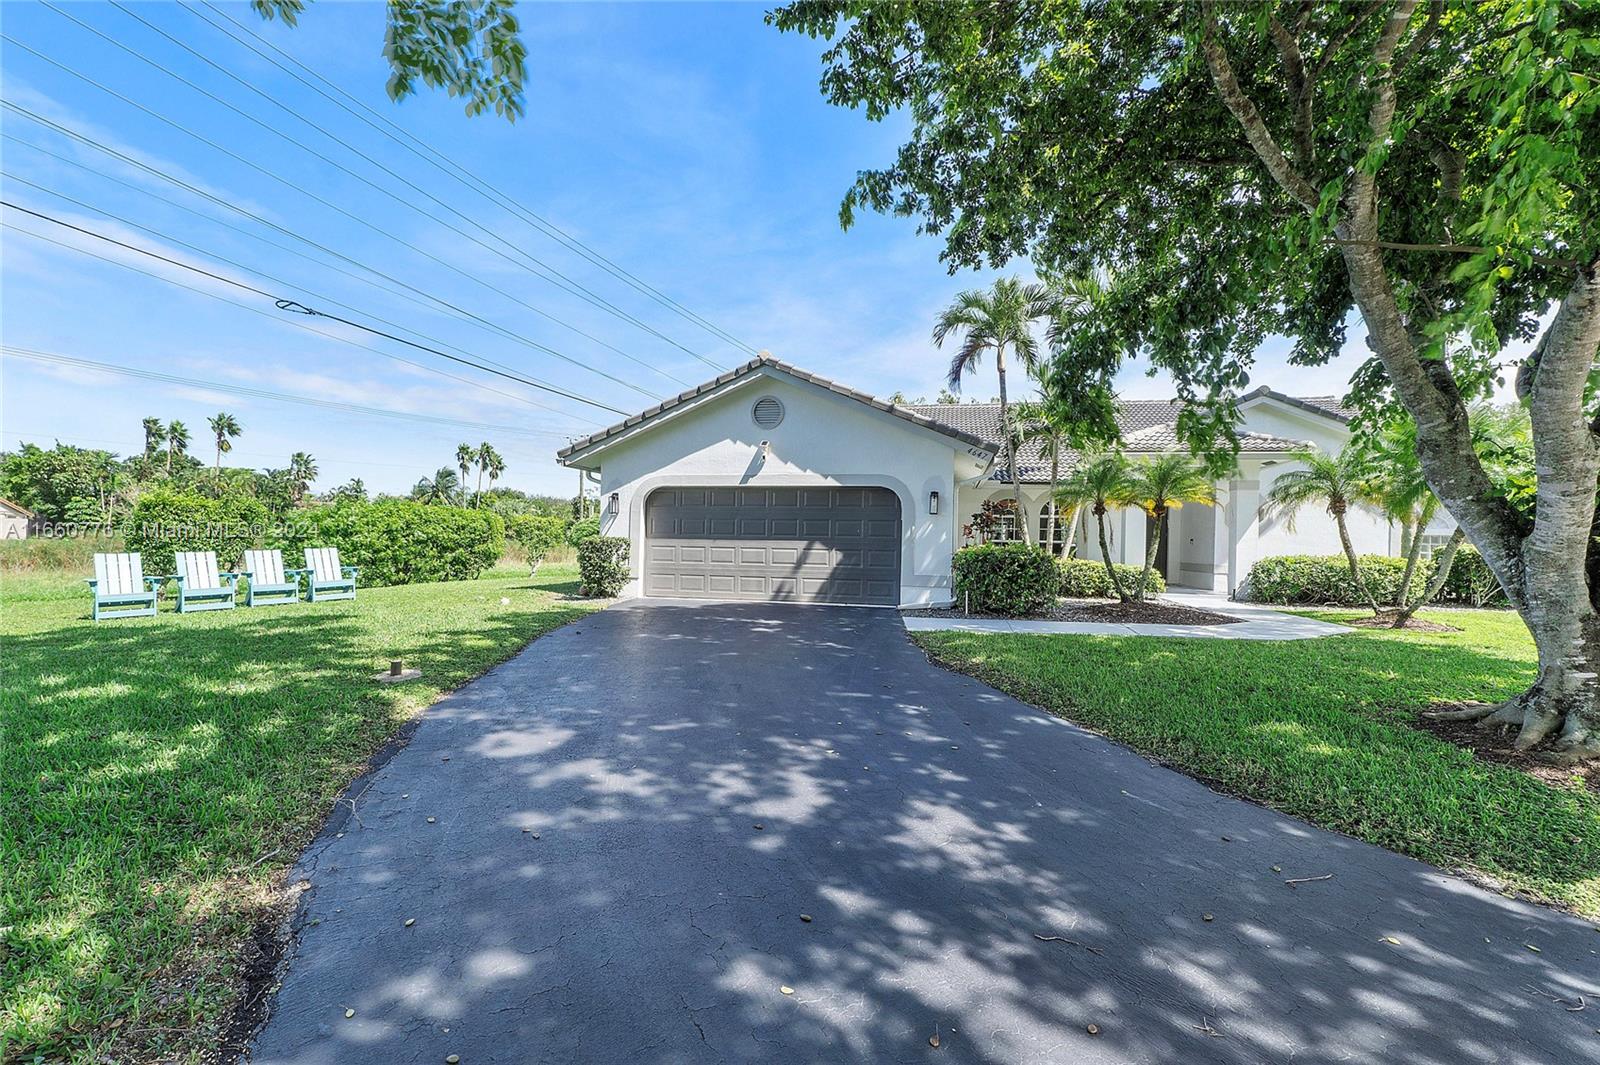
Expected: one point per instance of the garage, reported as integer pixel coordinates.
(790, 544)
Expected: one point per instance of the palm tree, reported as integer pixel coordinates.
(1044, 422)
(1399, 489)
(997, 320)
(1338, 482)
(442, 487)
(1099, 482)
(466, 455)
(302, 471)
(224, 427)
(494, 467)
(154, 433)
(177, 442)
(1162, 484)
(486, 453)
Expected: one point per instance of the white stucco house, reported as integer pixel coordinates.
(771, 483)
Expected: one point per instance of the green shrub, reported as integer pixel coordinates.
(397, 541)
(1471, 582)
(1326, 579)
(1011, 579)
(164, 522)
(603, 565)
(1083, 578)
(536, 535)
(583, 529)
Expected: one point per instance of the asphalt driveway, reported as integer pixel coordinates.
(608, 843)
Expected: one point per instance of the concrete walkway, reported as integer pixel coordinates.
(1260, 622)
(607, 845)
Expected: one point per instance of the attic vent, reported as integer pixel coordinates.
(767, 412)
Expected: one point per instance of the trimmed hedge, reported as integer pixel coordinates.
(164, 522)
(1083, 578)
(603, 565)
(1471, 581)
(536, 534)
(398, 541)
(583, 529)
(1303, 579)
(1013, 579)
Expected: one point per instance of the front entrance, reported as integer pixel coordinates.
(804, 545)
(1161, 548)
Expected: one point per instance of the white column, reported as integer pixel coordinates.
(1222, 539)
(1130, 549)
(1245, 508)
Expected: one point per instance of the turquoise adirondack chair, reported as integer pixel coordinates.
(200, 585)
(270, 583)
(326, 577)
(121, 590)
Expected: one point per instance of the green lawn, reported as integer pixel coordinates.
(1317, 728)
(160, 774)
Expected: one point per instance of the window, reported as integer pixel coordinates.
(1005, 528)
(1432, 542)
(1057, 546)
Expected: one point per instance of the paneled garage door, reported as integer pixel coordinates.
(807, 545)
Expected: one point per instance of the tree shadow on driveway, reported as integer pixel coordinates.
(629, 820)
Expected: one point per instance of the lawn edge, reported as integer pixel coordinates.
(1472, 875)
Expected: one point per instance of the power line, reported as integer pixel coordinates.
(447, 305)
(300, 188)
(11, 351)
(539, 269)
(451, 169)
(296, 306)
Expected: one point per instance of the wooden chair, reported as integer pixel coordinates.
(270, 583)
(326, 577)
(200, 585)
(119, 584)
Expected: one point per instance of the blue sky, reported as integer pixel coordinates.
(688, 143)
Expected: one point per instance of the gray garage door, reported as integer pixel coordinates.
(807, 545)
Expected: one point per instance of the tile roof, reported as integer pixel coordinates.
(910, 414)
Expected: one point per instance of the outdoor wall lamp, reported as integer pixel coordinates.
(933, 502)
(613, 505)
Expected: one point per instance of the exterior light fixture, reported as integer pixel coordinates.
(933, 502)
(614, 505)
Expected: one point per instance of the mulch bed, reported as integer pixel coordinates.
(1413, 624)
(1492, 743)
(1150, 613)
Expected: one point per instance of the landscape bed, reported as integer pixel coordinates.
(160, 774)
(1330, 731)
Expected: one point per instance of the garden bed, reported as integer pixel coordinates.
(1155, 612)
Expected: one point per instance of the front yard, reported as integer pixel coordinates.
(1322, 729)
(160, 774)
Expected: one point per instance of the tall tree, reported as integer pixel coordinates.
(224, 429)
(996, 321)
(1399, 488)
(1337, 483)
(177, 441)
(154, 434)
(466, 455)
(1158, 485)
(470, 48)
(302, 471)
(495, 467)
(1099, 482)
(442, 487)
(485, 455)
(1261, 167)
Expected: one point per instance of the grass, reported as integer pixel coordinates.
(1319, 729)
(158, 775)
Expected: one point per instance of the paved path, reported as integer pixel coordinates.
(1259, 623)
(931, 827)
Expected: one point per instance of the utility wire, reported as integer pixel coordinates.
(300, 188)
(276, 320)
(539, 268)
(451, 169)
(206, 253)
(297, 307)
(448, 306)
(13, 352)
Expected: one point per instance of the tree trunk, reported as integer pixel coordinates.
(1350, 557)
(1442, 562)
(1011, 445)
(1413, 552)
(1149, 555)
(1055, 478)
(1069, 542)
(1105, 553)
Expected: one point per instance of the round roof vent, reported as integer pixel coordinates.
(768, 412)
